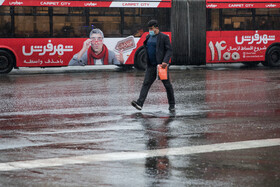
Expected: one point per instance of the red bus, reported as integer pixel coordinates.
(246, 31)
(43, 33)
(47, 33)
(226, 31)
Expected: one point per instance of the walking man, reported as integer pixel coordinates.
(159, 51)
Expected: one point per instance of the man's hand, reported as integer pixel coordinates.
(163, 65)
(120, 57)
(87, 44)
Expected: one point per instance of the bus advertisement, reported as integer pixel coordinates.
(226, 31)
(42, 33)
(35, 33)
(243, 31)
(234, 46)
(88, 3)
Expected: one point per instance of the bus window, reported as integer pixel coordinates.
(66, 26)
(110, 25)
(275, 22)
(22, 10)
(163, 16)
(68, 22)
(237, 19)
(4, 10)
(106, 19)
(262, 23)
(243, 19)
(213, 21)
(31, 22)
(135, 20)
(267, 19)
(242, 23)
(30, 10)
(130, 28)
(5, 22)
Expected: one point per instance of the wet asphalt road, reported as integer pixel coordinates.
(69, 113)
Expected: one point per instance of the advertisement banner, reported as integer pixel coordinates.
(96, 3)
(238, 46)
(242, 4)
(45, 52)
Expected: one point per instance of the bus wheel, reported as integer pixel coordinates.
(140, 59)
(273, 56)
(6, 62)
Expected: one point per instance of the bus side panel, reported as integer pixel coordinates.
(52, 52)
(43, 52)
(238, 46)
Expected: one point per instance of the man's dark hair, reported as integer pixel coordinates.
(153, 23)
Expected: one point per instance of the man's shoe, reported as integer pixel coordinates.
(172, 108)
(136, 105)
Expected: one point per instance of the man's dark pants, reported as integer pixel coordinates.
(150, 77)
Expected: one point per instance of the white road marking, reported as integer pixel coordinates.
(119, 156)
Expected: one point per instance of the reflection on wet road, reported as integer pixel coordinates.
(77, 114)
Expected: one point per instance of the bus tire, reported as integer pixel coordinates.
(273, 56)
(140, 59)
(6, 62)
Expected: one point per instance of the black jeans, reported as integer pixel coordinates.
(150, 77)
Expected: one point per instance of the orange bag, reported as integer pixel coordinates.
(162, 73)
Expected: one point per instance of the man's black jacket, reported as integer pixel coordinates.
(163, 48)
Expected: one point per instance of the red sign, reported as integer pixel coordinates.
(109, 3)
(238, 46)
(242, 1)
(42, 51)
(45, 52)
(242, 4)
